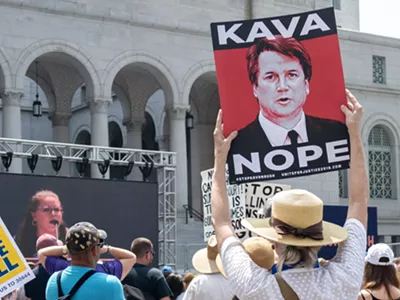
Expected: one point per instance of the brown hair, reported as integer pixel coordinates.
(287, 46)
(141, 246)
(187, 279)
(26, 235)
(378, 276)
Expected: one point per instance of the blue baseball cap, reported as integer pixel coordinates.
(166, 269)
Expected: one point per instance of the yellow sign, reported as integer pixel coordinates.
(14, 270)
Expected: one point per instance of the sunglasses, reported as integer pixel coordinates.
(49, 210)
(152, 252)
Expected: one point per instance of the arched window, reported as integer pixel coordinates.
(381, 163)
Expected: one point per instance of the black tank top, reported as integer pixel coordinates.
(373, 297)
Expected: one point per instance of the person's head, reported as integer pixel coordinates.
(144, 251)
(47, 240)
(296, 228)
(84, 242)
(260, 251)
(280, 71)
(44, 208)
(175, 283)
(187, 279)
(167, 270)
(380, 269)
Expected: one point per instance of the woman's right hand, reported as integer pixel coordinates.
(354, 113)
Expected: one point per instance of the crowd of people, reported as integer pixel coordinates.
(281, 262)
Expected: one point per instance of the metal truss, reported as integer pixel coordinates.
(164, 162)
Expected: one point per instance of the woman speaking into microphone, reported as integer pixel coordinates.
(44, 214)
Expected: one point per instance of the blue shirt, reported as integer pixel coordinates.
(98, 286)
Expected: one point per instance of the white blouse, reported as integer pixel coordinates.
(340, 279)
(209, 287)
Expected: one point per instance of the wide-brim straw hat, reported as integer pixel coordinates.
(260, 251)
(297, 220)
(204, 259)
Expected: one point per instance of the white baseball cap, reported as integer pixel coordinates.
(377, 252)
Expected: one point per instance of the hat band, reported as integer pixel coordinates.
(314, 232)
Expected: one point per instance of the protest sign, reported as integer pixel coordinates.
(245, 201)
(337, 215)
(236, 196)
(14, 270)
(281, 85)
(257, 195)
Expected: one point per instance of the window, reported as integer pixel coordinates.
(343, 187)
(380, 163)
(336, 4)
(379, 69)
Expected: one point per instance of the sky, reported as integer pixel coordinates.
(380, 17)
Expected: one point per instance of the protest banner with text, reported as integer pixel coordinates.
(14, 270)
(281, 85)
(245, 200)
(236, 196)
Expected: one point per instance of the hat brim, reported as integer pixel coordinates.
(220, 267)
(102, 235)
(332, 233)
(203, 264)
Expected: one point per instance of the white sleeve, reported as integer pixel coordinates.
(351, 254)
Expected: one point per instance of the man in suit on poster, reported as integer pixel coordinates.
(280, 71)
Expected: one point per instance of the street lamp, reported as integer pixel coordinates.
(189, 120)
(37, 105)
(189, 127)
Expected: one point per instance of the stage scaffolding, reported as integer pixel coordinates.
(163, 162)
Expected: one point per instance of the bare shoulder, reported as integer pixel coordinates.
(364, 295)
(395, 292)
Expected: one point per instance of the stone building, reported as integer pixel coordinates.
(126, 74)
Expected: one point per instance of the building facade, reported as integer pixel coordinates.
(126, 74)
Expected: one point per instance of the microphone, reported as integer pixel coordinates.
(56, 224)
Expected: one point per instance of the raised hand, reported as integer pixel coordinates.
(354, 113)
(221, 144)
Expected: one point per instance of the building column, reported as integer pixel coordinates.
(202, 159)
(11, 115)
(134, 141)
(60, 122)
(163, 142)
(177, 117)
(99, 129)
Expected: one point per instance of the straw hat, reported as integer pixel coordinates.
(297, 220)
(204, 259)
(260, 252)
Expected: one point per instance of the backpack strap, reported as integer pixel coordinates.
(287, 292)
(60, 292)
(75, 288)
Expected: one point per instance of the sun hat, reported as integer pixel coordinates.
(83, 236)
(260, 251)
(380, 255)
(204, 259)
(297, 220)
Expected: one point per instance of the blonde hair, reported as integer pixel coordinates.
(307, 256)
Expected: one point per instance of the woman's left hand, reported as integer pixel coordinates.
(222, 144)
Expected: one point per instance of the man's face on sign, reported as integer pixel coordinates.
(281, 86)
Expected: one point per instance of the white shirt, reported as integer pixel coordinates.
(278, 136)
(209, 287)
(340, 279)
